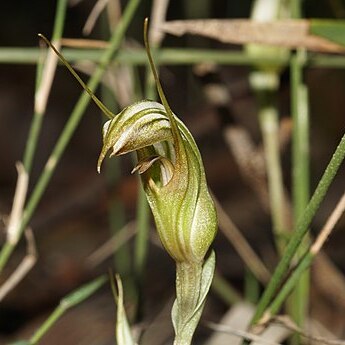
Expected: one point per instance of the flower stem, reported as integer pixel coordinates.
(188, 281)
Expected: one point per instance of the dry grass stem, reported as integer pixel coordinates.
(234, 235)
(158, 16)
(94, 15)
(84, 43)
(18, 205)
(329, 226)
(120, 81)
(112, 245)
(285, 130)
(332, 288)
(114, 12)
(241, 334)
(291, 325)
(42, 94)
(250, 161)
(23, 268)
(284, 33)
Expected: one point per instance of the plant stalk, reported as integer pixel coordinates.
(171, 56)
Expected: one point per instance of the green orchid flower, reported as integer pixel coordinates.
(172, 173)
(173, 177)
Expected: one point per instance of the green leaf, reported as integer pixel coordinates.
(333, 30)
(192, 286)
(123, 331)
(82, 293)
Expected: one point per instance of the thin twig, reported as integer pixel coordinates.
(23, 268)
(332, 288)
(288, 323)
(329, 226)
(13, 233)
(46, 67)
(158, 16)
(48, 73)
(93, 16)
(112, 245)
(114, 12)
(250, 161)
(241, 245)
(241, 334)
(84, 43)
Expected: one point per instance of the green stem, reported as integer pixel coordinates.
(251, 287)
(224, 290)
(300, 176)
(36, 124)
(142, 238)
(172, 56)
(193, 281)
(71, 300)
(301, 229)
(270, 127)
(188, 282)
(292, 282)
(300, 138)
(266, 85)
(295, 8)
(72, 124)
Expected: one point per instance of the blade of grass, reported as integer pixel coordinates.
(44, 79)
(142, 238)
(306, 259)
(74, 298)
(71, 126)
(242, 247)
(269, 123)
(265, 80)
(301, 229)
(171, 56)
(251, 287)
(299, 301)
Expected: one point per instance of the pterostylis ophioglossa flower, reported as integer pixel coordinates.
(174, 181)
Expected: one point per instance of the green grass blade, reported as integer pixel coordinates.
(72, 124)
(301, 229)
(333, 30)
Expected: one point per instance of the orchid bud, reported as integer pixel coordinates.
(172, 174)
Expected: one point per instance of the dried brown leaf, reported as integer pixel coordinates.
(286, 33)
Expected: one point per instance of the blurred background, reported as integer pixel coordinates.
(73, 218)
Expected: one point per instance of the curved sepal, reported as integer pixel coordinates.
(172, 174)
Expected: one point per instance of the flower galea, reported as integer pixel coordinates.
(172, 173)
